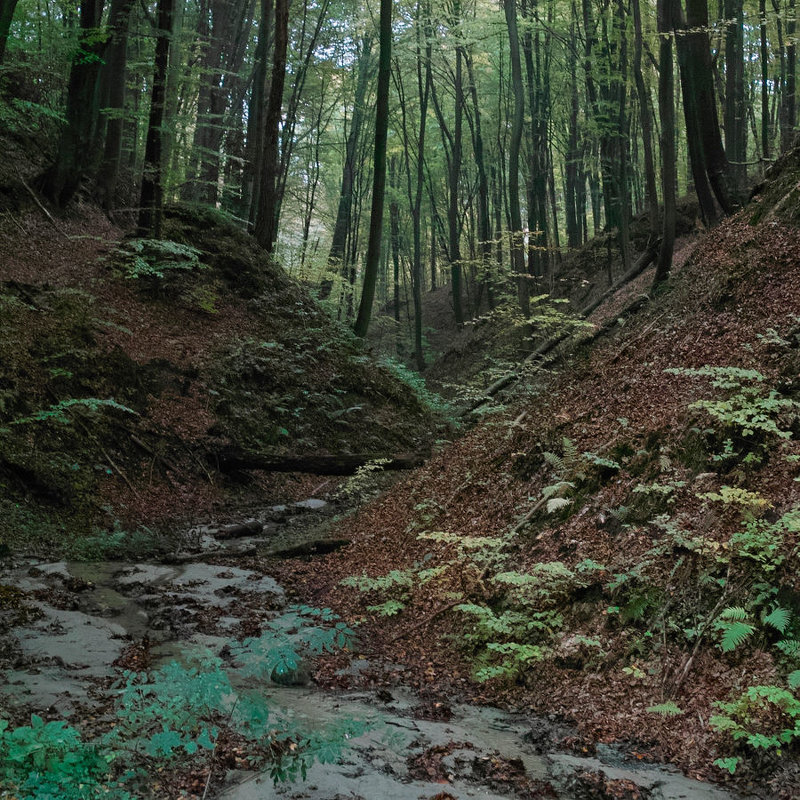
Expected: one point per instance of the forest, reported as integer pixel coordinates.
(399, 400)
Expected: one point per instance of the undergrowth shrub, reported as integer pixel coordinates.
(181, 710)
(751, 416)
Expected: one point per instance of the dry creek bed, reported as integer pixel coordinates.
(90, 612)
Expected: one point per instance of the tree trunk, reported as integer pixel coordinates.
(699, 68)
(343, 212)
(152, 197)
(114, 75)
(765, 128)
(515, 212)
(379, 171)
(6, 16)
(645, 120)
(666, 112)
(267, 216)
(256, 115)
(735, 119)
(62, 179)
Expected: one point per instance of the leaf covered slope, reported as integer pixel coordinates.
(126, 367)
(620, 545)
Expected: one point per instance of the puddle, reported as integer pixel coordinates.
(91, 612)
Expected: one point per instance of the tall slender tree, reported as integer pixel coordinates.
(372, 261)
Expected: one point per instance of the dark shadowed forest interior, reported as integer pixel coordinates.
(399, 400)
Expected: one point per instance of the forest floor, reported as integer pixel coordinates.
(571, 557)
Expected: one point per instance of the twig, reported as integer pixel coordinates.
(633, 341)
(426, 620)
(529, 515)
(39, 203)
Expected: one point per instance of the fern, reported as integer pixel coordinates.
(734, 627)
(59, 412)
(668, 709)
(387, 609)
(778, 618)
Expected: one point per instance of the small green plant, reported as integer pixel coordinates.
(148, 259)
(358, 488)
(762, 542)
(180, 710)
(62, 411)
(736, 625)
(750, 414)
(668, 709)
(429, 400)
(764, 717)
(50, 761)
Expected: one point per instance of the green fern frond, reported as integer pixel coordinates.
(778, 618)
(557, 488)
(734, 613)
(668, 709)
(734, 634)
(789, 647)
(555, 461)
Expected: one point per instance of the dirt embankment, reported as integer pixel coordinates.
(127, 366)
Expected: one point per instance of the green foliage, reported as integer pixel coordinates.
(118, 543)
(549, 318)
(415, 382)
(668, 709)
(61, 412)
(748, 412)
(736, 625)
(762, 542)
(180, 710)
(361, 485)
(148, 259)
(762, 717)
(734, 628)
(504, 640)
(50, 761)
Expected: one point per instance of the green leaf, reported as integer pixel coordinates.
(778, 618)
(728, 764)
(668, 709)
(734, 634)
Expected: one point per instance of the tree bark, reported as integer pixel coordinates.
(379, 172)
(341, 229)
(114, 76)
(515, 212)
(666, 111)
(735, 108)
(645, 119)
(152, 196)
(6, 16)
(62, 179)
(266, 228)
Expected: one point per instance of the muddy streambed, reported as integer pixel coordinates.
(90, 614)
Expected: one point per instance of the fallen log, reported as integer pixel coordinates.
(232, 460)
(544, 348)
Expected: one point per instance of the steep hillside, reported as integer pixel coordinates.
(620, 545)
(130, 370)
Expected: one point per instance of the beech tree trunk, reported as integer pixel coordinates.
(152, 197)
(372, 261)
(6, 16)
(666, 111)
(515, 212)
(266, 227)
(62, 179)
(114, 76)
(341, 230)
